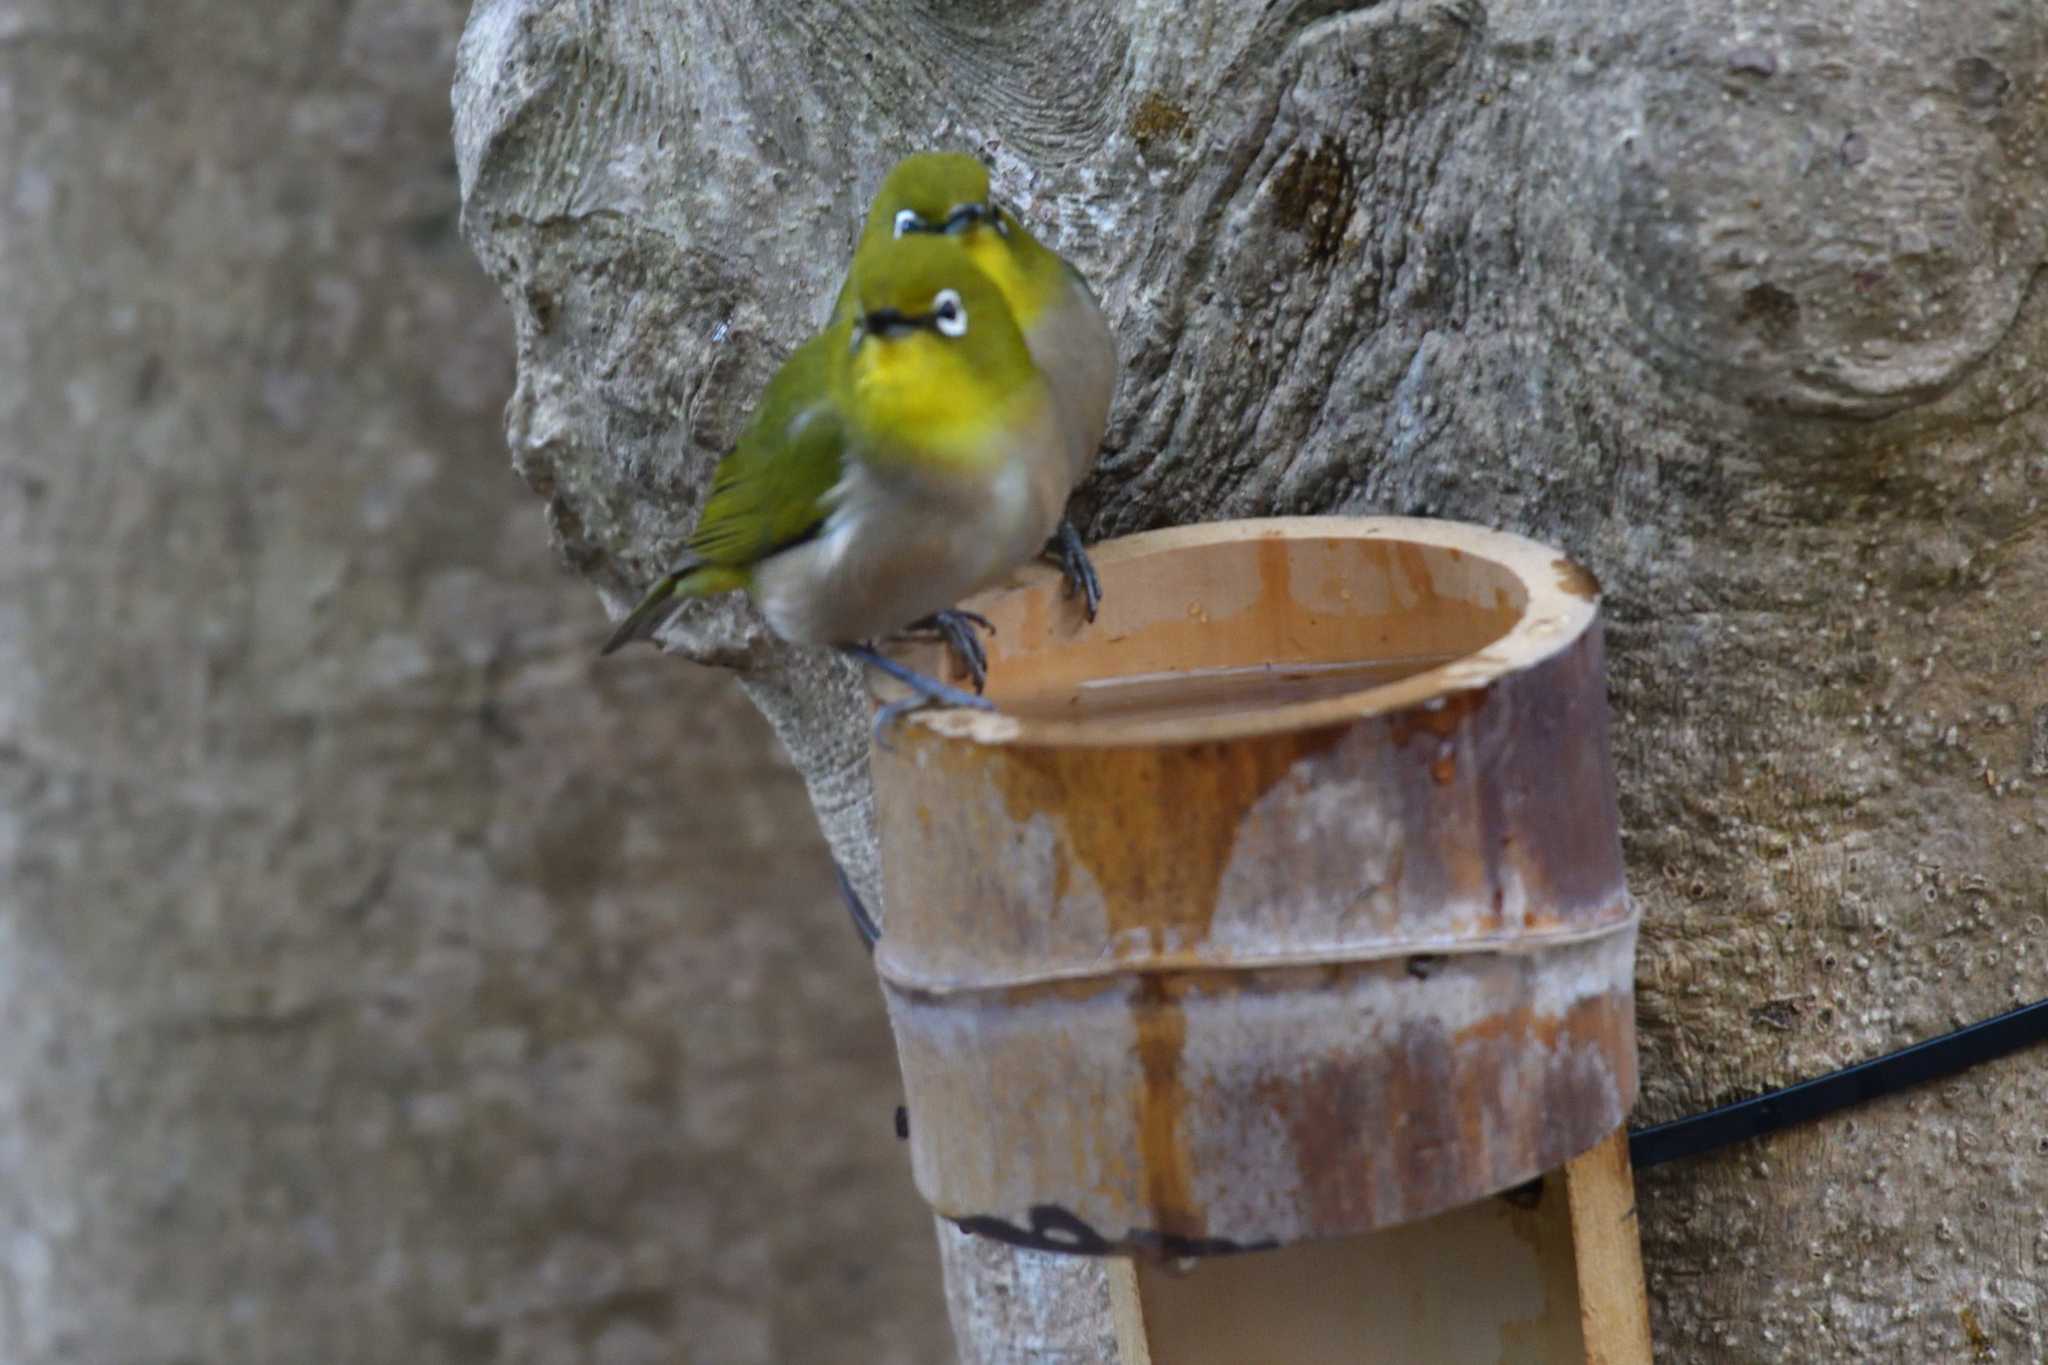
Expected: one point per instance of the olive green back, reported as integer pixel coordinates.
(770, 491)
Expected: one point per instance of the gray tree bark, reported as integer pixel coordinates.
(376, 984)
(1737, 301)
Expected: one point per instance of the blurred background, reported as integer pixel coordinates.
(386, 979)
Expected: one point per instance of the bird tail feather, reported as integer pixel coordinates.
(695, 579)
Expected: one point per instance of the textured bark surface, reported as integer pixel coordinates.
(378, 982)
(1738, 301)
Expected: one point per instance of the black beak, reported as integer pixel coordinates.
(893, 322)
(889, 322)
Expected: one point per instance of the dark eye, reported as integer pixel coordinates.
(908, 221)
(949, 315)
(998, 218)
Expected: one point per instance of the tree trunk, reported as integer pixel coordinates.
(376, 983)
(1737, 306)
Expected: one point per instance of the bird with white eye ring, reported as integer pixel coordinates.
(898, 462)
(946, 195)
(943, 197)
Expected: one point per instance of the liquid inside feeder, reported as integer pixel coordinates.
(1215, 631)
(1210, 693)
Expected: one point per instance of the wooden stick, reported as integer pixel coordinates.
(1614, 1311)
(1127, 1313)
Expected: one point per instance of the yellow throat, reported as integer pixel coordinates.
(915, 392)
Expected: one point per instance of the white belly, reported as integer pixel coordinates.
(894, 551)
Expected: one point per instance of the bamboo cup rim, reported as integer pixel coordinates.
(1200, 595)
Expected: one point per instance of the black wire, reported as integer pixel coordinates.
(1817, 1098)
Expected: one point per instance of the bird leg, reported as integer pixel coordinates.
(930, 691)
(957, 629)
(1066, 550)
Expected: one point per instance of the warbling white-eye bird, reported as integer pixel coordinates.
(946, 194)
(904, 458)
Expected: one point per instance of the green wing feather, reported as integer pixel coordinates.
(769, 493)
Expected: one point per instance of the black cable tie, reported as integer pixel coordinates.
(1887, 1075)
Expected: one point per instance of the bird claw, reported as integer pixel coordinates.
(929, 692)
(957, 629)
(973, 618)
(1066, 550)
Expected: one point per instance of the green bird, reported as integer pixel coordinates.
(906, 457)
(946, 195)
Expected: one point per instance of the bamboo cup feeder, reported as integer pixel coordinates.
(1284, 901)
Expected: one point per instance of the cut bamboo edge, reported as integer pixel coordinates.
(1334, 937)
(1563, 599)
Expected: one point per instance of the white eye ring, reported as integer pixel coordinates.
(948, 314)
(907, 221)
